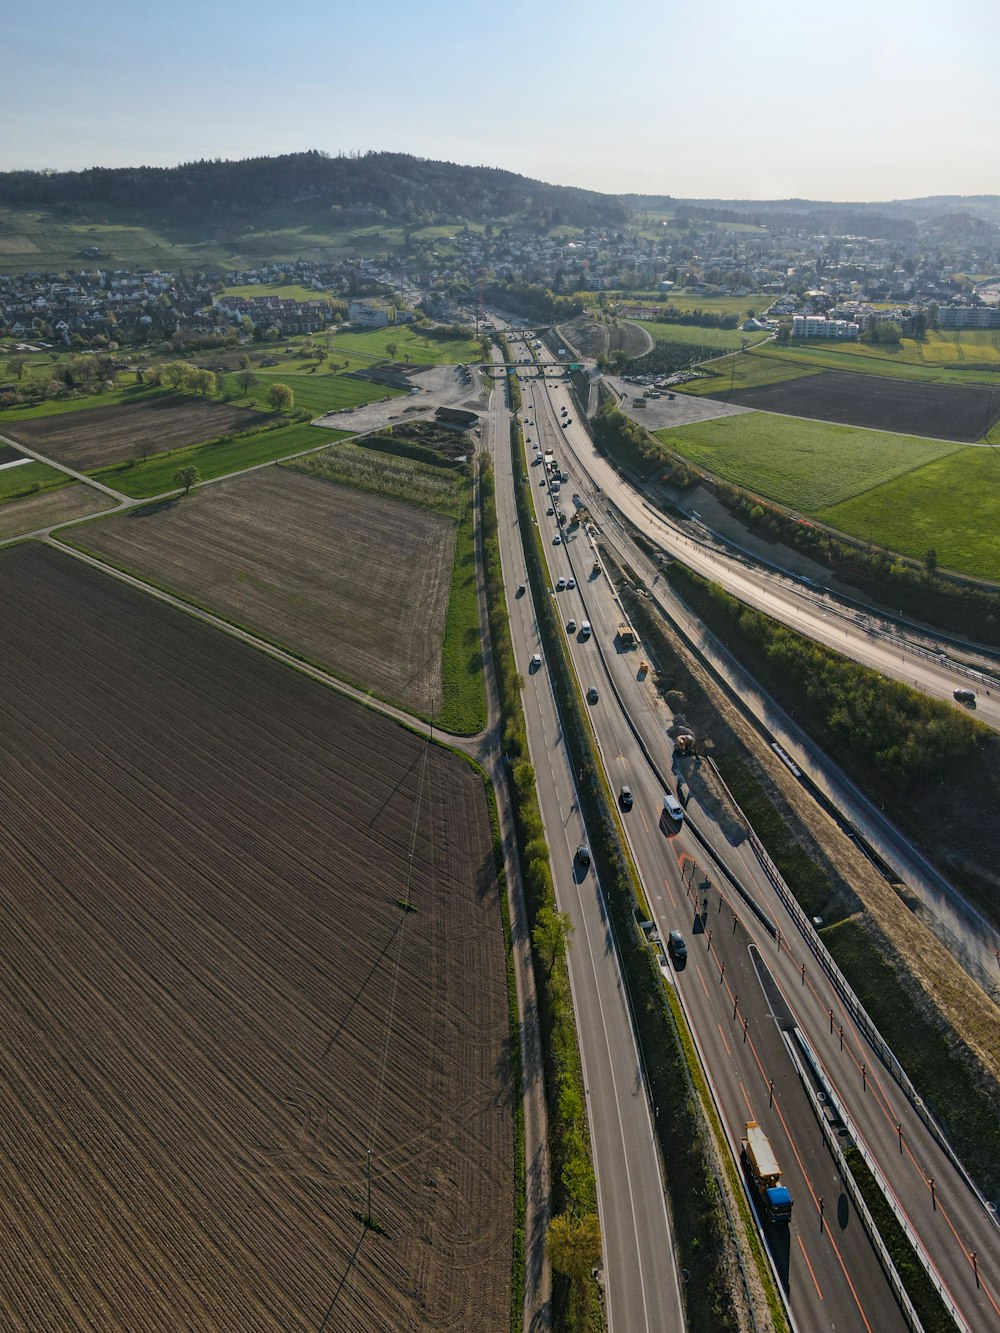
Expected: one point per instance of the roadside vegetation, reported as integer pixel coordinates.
(808, 465)
(630, 445)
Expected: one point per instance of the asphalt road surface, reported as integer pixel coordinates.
(640, 1275)
(772, 981)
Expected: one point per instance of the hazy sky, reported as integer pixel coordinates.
(852, 99)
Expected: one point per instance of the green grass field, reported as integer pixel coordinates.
(807, 465)
(28, 479)
(422, 350)
(57, 406)
(291, 291)
(951, 504)
(744, 370)
(317, 393)
(446, 491)
(715, 305)
(698, 336)
(872, 361)
(156, 476)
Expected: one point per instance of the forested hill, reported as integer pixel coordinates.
(368, 187)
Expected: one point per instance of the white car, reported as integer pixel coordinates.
(673, 809)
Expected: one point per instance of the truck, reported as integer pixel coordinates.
(626, 634)
(765, 1174)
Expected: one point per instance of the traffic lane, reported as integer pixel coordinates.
(824, 1260)
(642, 1289)
(962, 1251)
(952, 1224)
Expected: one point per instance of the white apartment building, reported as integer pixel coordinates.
(968, 317)
(818, 326)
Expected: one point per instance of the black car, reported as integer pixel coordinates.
(625, 796)
(583, 854)
(676, 945)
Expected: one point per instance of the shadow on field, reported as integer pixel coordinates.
(158, 507)
(403, 777)
(361, 989)
(324, 1322)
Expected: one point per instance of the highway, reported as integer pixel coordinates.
(964, 930)
(642, 1290)
(753, 994)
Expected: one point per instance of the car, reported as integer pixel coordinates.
(965, 696)
(672, 808)
(562, 518)
(560, 584)
(625, 797)
(583, 854)
(571, 584)
(557, 539)
(585, 629)
(550, 510)
(542, 482)
(592, 695)
(536, 662)
(520, 590)
(536, 460)
(677, 947)
(565, 411)
(570, 626)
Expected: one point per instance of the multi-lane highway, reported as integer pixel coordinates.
(961, 926)
(754, 992)
(642, 1291)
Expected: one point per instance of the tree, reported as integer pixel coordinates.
(574, 1246)
(280, 398)
(245, 379)
(931, 561)
(392, 350)
(187, 477)
(549, 937)
(17, 367)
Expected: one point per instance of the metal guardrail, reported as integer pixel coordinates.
(853, 1189)
(854, 1006)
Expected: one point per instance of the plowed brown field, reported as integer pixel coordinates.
(351, 580)
(211, 1004)
(97, 436)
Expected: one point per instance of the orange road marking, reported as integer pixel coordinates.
(808, 1265)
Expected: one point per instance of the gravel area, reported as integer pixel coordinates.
(661, 413)
(436, 386)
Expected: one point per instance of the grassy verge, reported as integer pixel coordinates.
(574, 1185)
(516, 1067)
(700, 1224)
(926, 1302)
(29, 479)
(963, 1101)
(807, 881)
(463, 692)
(218, 458)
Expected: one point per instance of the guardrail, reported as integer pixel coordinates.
(847, 996)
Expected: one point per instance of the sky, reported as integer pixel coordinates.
(755, 99)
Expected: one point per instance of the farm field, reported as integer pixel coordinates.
(317, 393)
(743, 370)
(807, 465)
(411, 345)
(941, 411)
(97, 436)
(214, 1001)
(716, 305)
(863, 360)
(695, 334)
(27, 479)
(443, 491)
(951, 505)
(49, 507)
(291, 291)
(354, 582)
(215, 459)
